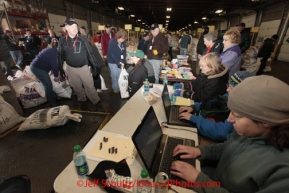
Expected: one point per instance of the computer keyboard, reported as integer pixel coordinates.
(175, 113)
(168, 157)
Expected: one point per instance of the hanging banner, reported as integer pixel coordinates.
(137, 29)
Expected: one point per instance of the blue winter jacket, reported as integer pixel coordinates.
(115, 52)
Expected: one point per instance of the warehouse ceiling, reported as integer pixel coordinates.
(184, 13)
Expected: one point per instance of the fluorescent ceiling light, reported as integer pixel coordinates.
(189, 25)
(204, 18)
(120, 8)
(132, 15)
(138, 20)
(167, 21)
(143, 23)
(168, 16)
(219, 11)
(195, 22)
(169, 9)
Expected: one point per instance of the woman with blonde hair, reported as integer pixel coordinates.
(212, 80)
(116, 53)
(231, 55)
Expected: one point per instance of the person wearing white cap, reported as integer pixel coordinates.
(255, 156)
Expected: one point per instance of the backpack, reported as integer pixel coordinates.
(215, 109)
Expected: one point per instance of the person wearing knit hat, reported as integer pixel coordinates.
(210, 128)
(255, 156)
(269, 97)
(237, 78)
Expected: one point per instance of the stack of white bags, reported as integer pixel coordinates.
(31, 92)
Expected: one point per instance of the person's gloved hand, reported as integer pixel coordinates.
(56, 79)
(155, 52)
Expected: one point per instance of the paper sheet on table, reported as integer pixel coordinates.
(180, 101)
(124, 145)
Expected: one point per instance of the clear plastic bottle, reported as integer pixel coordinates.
(79, 160)
(173, 96)
(144, 184)
(146, 86)
(165, 80)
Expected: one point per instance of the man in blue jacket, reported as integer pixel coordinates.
(143, 43)
(208, 128)
(185, 41)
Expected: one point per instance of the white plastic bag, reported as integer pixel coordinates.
(8, 116)
(61, 88)
(46, 118)
(123, 83)
(32, 95)
(103, 86)
(27, 73)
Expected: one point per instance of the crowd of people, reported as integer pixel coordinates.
(254, 129)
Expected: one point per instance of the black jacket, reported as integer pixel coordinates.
(143, 45)
(136, 78)
(75, 56)
(217, 48)
(245, 41)
(207, 87)
(201, 45)
(32, 42)
(266, 49)
(12, 44)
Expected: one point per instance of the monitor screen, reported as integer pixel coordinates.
(166, 100)
(147, 137)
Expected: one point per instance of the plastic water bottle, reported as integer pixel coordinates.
(165, 80)
(79, 160)
(146, 87)
(173, 96)
(178, 91)
(144, 184)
